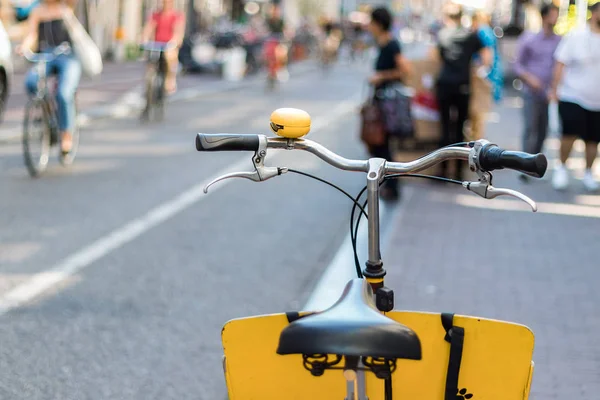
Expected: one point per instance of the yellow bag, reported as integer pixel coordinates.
(496, 362)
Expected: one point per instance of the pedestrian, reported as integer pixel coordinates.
(391, 67)
(534, 65)
(492, 81)
(456, 47)
(576, 86)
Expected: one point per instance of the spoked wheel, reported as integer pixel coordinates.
(36, 138)
(158, 87)
(271, 82)
(68, 158)
(145, 116)
(155, 95)
(3, 94)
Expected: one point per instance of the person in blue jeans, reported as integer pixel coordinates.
(47, 28)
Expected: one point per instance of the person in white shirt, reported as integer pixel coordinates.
(576, 86)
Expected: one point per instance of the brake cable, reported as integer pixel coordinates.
(354, 228)
(356, 201)
(333, 186)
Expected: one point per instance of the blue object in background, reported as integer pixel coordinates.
(496, 76)
(22, 13)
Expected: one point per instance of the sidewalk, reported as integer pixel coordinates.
(117, 93)
(453, 251)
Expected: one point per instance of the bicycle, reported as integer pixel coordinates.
(440, 356)
(155, 80)
(42, 109)
(276, 59)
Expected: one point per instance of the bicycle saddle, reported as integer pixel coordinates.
(351, 327)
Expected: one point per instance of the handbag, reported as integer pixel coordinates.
(395, 105)
(84, 47)
(372, 131)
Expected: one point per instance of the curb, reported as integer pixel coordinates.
(133, 101)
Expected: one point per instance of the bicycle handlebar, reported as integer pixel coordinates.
(489, 158)
(157, 46)
(64, 48)
(492, 157)
(226, 142)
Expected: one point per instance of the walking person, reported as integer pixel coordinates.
(534, 65)
(576, 86)
(391, 67)
(456, 47)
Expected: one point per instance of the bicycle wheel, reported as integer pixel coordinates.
(150, 95)
(68, 158)
(3, 93)
(159, 96)
(36, 138)
(271, 83)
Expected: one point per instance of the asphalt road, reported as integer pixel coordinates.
(142, 319)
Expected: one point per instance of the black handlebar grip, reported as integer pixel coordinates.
(493, 157)
(226, 142)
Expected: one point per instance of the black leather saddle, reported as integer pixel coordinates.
(351, 327)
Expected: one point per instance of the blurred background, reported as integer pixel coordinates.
(117, 273)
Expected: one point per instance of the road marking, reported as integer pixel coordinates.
(341, 269)
(76, 262)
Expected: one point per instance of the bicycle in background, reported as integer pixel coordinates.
(276, 58)
(156, 74)
(40, 124)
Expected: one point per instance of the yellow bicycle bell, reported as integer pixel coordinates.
(290, 123)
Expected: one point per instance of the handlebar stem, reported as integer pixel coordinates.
(374, 271)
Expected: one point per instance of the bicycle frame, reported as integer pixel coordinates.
(156, 58)
(157, 67)
(42, 95)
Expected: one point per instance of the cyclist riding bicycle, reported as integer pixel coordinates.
(274, 52)
(275, 23)
(47, 28)
(167, 26)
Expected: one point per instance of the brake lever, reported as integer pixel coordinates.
(261, 173)
(487, 191)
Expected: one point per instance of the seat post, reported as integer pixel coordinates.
(355, 379)
(374, 271)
